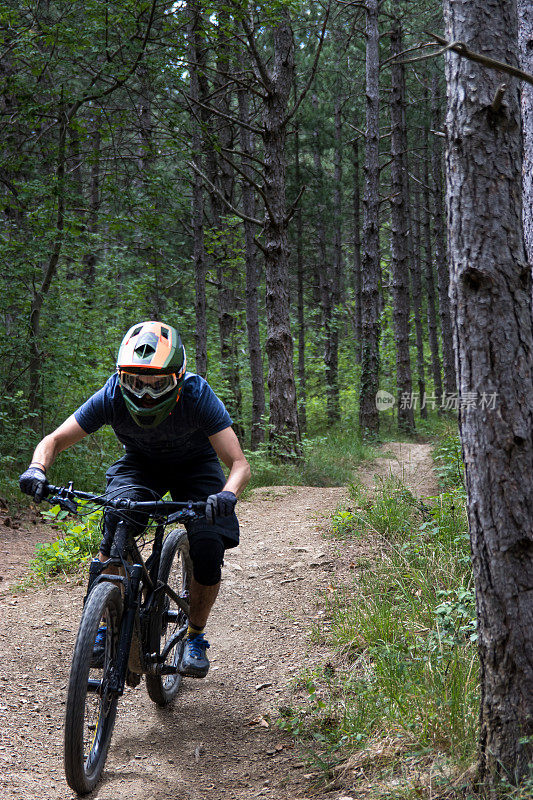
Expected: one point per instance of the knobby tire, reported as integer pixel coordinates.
(90, 716)
(174, 570)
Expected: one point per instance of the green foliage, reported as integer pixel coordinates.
(390, 511)
(80, 540)
(327, 460)
(449, 461)
(404, 638)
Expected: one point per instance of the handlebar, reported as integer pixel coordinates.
(66, 497)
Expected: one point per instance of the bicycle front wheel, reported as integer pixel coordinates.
(169, 624)
(91, 707)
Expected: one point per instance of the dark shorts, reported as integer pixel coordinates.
(142, 479)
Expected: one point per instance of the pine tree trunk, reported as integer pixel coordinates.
(356, 247)
(428, 264)
(490, 292)
(441, 255)
(302, 394)
(252, 278)
(525, 40)
(90, 257)
(337, 270)
(399, 237)
(370, 283)
(327, 275)
(416, 291)
(285, 432)
(196, 59)
(227, 275)
(36, 366)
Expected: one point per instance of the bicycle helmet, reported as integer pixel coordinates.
(151, 369)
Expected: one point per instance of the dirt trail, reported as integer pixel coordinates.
(216, 741)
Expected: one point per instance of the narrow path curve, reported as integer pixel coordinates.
(216, 741)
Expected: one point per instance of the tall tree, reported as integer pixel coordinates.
(196, 55)
(356, 266)
(371, 274)
(253, 274)
(428, 258)
(276, 79)
(416, 291)
(441, 256)
(399, 234)
(490, 289)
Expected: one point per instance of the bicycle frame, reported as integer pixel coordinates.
(139, 578)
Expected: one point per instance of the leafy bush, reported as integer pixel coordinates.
(80, 541)
(449, 461)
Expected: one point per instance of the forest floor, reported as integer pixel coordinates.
(218, 740)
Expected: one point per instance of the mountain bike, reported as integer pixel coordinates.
(137, 619)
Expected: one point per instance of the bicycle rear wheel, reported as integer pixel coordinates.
(91, 708)
(169, 624)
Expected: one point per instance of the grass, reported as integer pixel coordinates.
(328, 460)
(406, 673)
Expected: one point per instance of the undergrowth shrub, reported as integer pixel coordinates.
(327, 460)
(80, 540)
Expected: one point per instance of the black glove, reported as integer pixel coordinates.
(219, 505)
(34, 483)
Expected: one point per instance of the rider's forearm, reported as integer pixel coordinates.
(238, 477)
(45, 453)
(49, 448)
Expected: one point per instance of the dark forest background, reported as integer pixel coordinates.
(268, 180)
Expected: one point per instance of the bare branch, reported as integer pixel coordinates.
(247, 178)
(294, 206)
(228, 205)
(262, 72)
(462, 50)
(218, 113)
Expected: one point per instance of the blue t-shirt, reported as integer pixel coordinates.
(181, 437)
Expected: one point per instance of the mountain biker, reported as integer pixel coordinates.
(174, 429)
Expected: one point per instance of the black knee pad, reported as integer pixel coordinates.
(207, 554)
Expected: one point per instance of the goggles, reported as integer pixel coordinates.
(153, 385)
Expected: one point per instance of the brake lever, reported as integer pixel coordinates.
(65, 504)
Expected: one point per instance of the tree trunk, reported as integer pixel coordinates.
(336, 273)
(416, 291)
(490, 292)
(356, 247)
(441, 255)
(49, 271)
(428, 263)
(90, 256)
(327, 275)
(226, 244)
(252, 278)
(525, 40)
(285, 432)
(370, 283)
(300, 287)
(196, 59)
(399, 237)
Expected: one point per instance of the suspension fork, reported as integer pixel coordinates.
(131, 609)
